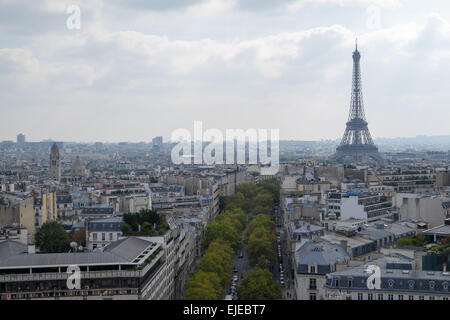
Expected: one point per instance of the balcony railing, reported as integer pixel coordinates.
(68, 294)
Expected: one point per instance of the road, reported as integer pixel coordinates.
(284, 259)
(242, 266)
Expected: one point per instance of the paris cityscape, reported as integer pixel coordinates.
(272, 159)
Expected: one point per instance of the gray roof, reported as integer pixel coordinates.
(305, 228)
(97, 210)
(11, 248)
(320, 253)
(127, 248)
(64, 198)
(109, 224)
(443, 230)
(124, 251)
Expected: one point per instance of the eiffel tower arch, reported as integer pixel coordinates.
(357, 144)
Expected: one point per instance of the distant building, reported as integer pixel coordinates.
(156, 144)
(20, 138)
(55, 163)
(157, 141)
(430, 209)
(64, 205)
(102, 232)
(18, 211)
(78, 168)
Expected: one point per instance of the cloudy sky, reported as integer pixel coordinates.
(140, 68)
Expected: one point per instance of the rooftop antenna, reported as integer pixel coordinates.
(356, 42)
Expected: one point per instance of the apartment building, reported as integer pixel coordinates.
(101, 232)
(17, 210)
(399, 280)
(313, 260)
(131, 268)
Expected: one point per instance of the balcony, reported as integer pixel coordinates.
(68, 294)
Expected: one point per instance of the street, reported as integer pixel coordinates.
(280, 267)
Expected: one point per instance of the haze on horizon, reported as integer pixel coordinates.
(138, 69)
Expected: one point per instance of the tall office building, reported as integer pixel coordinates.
(20, 138)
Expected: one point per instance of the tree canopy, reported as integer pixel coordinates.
(52, 238)
(144, 223)
(259, 285)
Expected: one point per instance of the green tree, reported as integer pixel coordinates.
(248, 190)
(126, 229)
(264, 200)
(260, 248)
(259, 285)
(204, 286)
(225, 231)
(237, 200)
(417, 240)
(218, 259)
(52, 238)
(261, 220)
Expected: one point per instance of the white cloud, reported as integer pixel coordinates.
(148, 82)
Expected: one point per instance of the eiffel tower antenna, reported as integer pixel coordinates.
(357, 144)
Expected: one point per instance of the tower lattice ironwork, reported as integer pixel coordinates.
(357, 144)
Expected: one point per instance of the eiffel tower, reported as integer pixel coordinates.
(357, 144)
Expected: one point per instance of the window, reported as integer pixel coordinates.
(411, 297)
(312, 269)
(380, 296)
(390, 297)
(445, 298)
(312, 296)
(391, 283)
(360, 296)
(400, 297)
(369, 296)
(431, 298)
(110, 236)
(336, 283)
(421, 298)
(350, 283)
(312, 284)
(94, 236)
(103, 237)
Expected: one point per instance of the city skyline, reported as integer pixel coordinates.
(282, 65)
